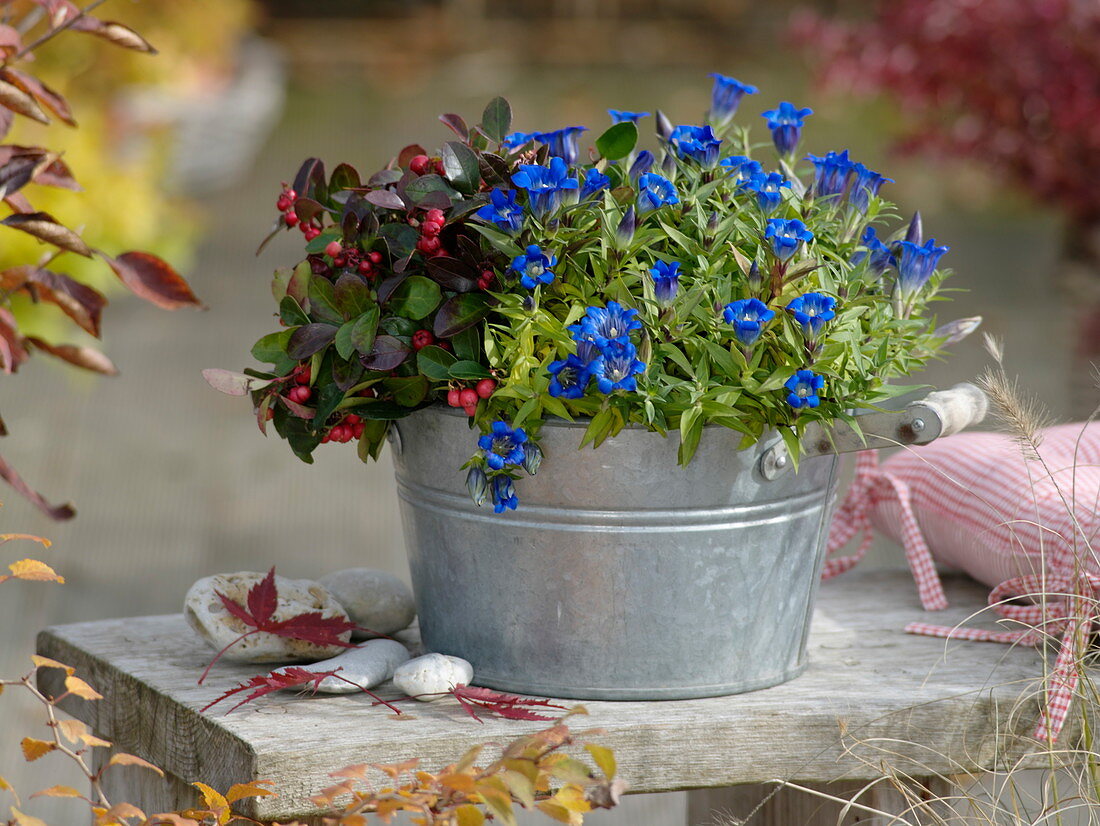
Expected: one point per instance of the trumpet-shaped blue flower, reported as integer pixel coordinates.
(831, 174)
(616, 367)
(602, 325)
(594, 181)
(786, 236)
(748, 317)
(696, 143)
(786, 122)
(803, 388)
(866, 185)
(504, 494)
(642, 164)
(502, 445)
(622, 116)
(916, 264)
(503, 210)
(666, 281)
(741, 167)
(569, 377)
(534, 266)
(881, 258)
(655, 191)
(768, 190)
(811, 311)
(544, 184)
(517, 139)
(562, 142)
(726, 97)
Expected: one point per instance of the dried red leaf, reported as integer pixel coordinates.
(45, 227)
(286, 678)
(262, 599)
(153, 279)
(87, 358)
(509, 706)
(42, 93)
(114, 32)
(10, 41)
(12, 351)
(9, 475)
(79, 302)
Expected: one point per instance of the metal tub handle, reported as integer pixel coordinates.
(941, 413)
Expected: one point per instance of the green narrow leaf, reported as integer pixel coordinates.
(434, 362)
(618, 141)
(469, 370)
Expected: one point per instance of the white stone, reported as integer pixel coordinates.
(368, 665)
(375, 600)
(432, 674)
(208, 616)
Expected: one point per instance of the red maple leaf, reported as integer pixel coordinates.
(473, 698)
(288, 677)
(263, 598)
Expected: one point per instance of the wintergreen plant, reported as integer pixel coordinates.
(520, 276)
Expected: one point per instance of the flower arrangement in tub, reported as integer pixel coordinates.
(518, 276)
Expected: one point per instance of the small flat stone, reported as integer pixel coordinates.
(206, 614)
(375, 600)
(432, 674)
(370, 664)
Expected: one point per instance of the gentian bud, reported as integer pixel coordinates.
(532, 457)
(624, 233)
(755, 279)
(642, 164)
(915, 233)
(477, 483)
(664, 125)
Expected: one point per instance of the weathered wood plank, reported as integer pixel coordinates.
(941, 707)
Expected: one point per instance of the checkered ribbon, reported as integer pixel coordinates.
(1059, 601)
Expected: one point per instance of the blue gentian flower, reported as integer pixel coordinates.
(655, 191)
(642, 164)
(696, 143)
(533, 267)
(477, 483)
(748, 317)
(503, 210)
(570, 377)
(786, 236)
(767, 188)
(544, 184)
(624, 233)
(666, 281)
(502, 445)
(916, 264)
(786, 123)
(601, 325)
(867, 184)
(562, 142)
(812, 310)
(621, 116)
(517, 139)
(831, 173)
(881, 258)
(616, 367)
(741, 167)
(803, 388)
(504, 494)
(594, 181)
(726, 97)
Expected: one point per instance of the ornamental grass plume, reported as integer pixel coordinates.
(693, 279)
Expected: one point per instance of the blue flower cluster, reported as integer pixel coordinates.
(666, 281)
(836, 175)
(786, 236)
(562, 142)
(544, 184)
(768, 188)
(533, 267)
(786, 122)
(748, 317)
(604, 353)
(502, 446)
(811, 311)
(654, 192)
(697, 144)
(803, 389)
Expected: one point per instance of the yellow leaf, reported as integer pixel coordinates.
(520, 786)
(469, 815)
(33, 570)
(497, 799)
(124, 759)
(572, 798)
(467, 760)
(604, 757)
(239, 791)
(76, 732)
(525, 767)
(58, 791)
(8, 537)
(33, 749)
(75, 685)
(567, 769)
(25, 820)
(46, 662)
(558, 813)
(214, 801)
(123, 810)
(4, 785)
(458, 782)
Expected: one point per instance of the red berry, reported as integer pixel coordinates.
(439, 168)
(420, 164)
(468, 397)
(428, 245)
(485, 388)
(453, 397)
(351, 418)
(422, 338)
(283, 204)
(365, 268)
(290, 193)
(430, 228)
(367, 393)
(333, 248)
(300, 394)
(375, 257)
(303, 374)
(357, 430)
(325, 439)
(471, 410)
(291, 218)
(435, 216)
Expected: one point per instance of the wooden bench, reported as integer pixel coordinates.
(871, 694)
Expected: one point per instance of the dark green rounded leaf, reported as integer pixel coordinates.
(496, 120)
(469, 370)
(461, 166)
(415, 297)
(271, 349)
(460, 312)
(408, 391)
(434, 362)
(618, 141)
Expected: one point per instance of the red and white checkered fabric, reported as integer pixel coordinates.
(1025, 527)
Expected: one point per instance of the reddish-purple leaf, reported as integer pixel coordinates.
(233, 384)
(313, 627)
(408, 153)
(12, 477)
(10, 41)
(263, 598)
(286, 678)
(57, 173)
(235, 609)
(86, 358)
(46, 228)
(151, 278)
(18, 101)
(457, 125)
(388, 353)
(385, 198)
(79, 302)
(12, 352)
(508, 706)
(114, 32)
(46, 96)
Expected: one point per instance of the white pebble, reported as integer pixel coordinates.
(375, 600)
(368, 665)
(432, 674)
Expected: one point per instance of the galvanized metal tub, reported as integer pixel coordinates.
(622, 576)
